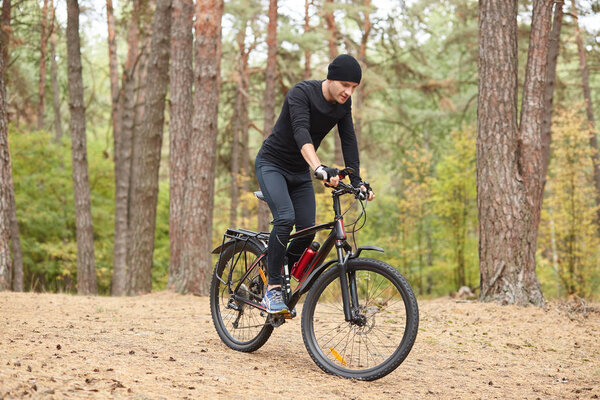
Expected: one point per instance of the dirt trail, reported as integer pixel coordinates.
(164, 346)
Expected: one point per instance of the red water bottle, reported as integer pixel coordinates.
(305, 260)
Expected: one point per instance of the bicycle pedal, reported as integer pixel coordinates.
(289, 315)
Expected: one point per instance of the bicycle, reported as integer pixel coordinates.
(360, 317)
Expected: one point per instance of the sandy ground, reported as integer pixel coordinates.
(164, 346)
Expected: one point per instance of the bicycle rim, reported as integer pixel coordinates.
(240, 325)
(380, 342)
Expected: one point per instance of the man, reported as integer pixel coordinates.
(310, 110)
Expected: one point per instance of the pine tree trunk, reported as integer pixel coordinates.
(550, 84)
(5, 182)
(585, 83)
(123, 156)
(269, 102)
(5, 31)
(180, 127)
(58, 131)
(237, 127)
(244, 156)
(508, 157)
(42, 81)
(333, 52)
(199, 191)
(86, 270)
(147, 160)
(362, 59)
(307, 53)
(113, 68)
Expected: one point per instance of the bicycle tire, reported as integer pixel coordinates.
(336, 359)
(234, 336)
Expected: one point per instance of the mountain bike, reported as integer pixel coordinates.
(359, 319)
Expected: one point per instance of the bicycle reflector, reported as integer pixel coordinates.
(337, 356)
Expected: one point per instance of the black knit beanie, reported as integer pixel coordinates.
(344, 68)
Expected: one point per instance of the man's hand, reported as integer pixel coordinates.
(370, 195)
(328, 175)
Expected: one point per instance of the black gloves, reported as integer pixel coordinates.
(325, 173)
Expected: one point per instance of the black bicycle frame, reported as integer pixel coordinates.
(336, 238)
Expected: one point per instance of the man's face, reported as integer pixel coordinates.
(341, 91)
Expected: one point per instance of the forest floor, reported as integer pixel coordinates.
(164, 346)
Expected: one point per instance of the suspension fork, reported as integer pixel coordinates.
(347, 283)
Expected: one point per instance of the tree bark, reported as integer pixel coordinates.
(123, 156)
(147, 160)
(17, 255)
(509, 157)
(585, 83)
(307, 52)
(199, 192)
(86, 270)
(180, 128)
(550, 84)
(269, 99)
(238, 123)
(113, 68)
(5, 182)
(58, 131)
(42, 81)
(362, 59)
(333, 52)
(5, 31)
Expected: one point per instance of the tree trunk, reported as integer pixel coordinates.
(508, 157)
(5, 182)
(550, 83)
(42, 81)
(362, 59)
(113, 67)
(333, 52)
(307, 53)
(180, 128)
(5, 32)
(585, 83)
(199, 191)
(58, 132)
(147, 160)
(86, 270)
(237, 127)
(269, 102)
(123, 156)
(17, 255)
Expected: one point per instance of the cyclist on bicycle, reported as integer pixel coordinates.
(310, 110)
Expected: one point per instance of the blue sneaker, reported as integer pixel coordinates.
(273, 302)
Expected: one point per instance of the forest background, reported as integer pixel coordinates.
(415, 114)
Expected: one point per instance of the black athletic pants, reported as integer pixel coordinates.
(291, 198)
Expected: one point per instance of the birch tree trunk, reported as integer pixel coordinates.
(86, 269)
(147, 160)
(180, 128)
(509, 164)
(199, 191)
(269, 102)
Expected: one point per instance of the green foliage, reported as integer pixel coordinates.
(569, 243)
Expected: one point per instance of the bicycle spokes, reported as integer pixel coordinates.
(375, 331)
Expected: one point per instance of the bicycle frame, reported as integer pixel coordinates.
(336, 238)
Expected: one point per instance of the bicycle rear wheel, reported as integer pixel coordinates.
(379, 340)
(238, 324)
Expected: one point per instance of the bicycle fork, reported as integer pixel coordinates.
(348, 285)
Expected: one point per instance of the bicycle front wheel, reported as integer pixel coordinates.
(382, 335)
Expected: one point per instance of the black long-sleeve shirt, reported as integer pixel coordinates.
(306, 117)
